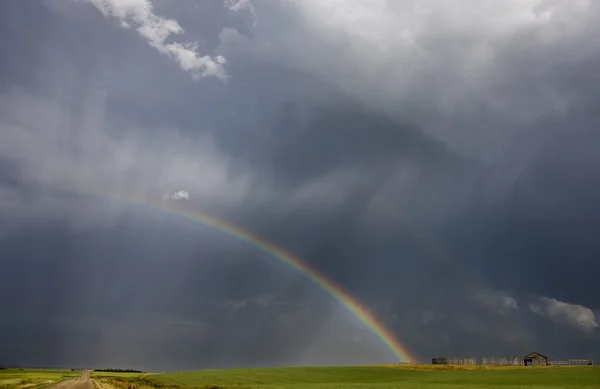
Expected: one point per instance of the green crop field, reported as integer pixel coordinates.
(381, 377)
(33, 378)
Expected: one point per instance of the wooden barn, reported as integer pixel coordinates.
(535, 359)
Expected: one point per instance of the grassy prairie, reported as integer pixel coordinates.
(380, 377)
(33, 378)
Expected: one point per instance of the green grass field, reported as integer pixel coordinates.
(33, 378)
(380, 377)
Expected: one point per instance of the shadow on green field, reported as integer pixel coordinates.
(365, 377)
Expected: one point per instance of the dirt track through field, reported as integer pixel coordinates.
(81, 382)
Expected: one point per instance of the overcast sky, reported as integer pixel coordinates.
(437, 161)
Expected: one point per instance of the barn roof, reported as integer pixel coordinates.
(532, 354)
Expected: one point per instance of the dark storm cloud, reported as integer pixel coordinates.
(439, 165)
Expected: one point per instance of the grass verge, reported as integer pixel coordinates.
(33, 378)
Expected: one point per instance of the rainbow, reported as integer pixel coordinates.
(353, 305)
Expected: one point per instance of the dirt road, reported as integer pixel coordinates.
(81, 382)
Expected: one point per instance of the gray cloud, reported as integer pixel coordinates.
(497, 300)
(439, 65)
(52, 150)
(559, 311)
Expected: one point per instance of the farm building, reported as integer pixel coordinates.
(535, 359)
(531, 359)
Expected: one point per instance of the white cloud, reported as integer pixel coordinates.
(238, 5)
(243, 5)
(182, 194)
(179, 195)
(561, 312)
(396, 43)
(139, 14)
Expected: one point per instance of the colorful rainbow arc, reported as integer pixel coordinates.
(350, 303)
